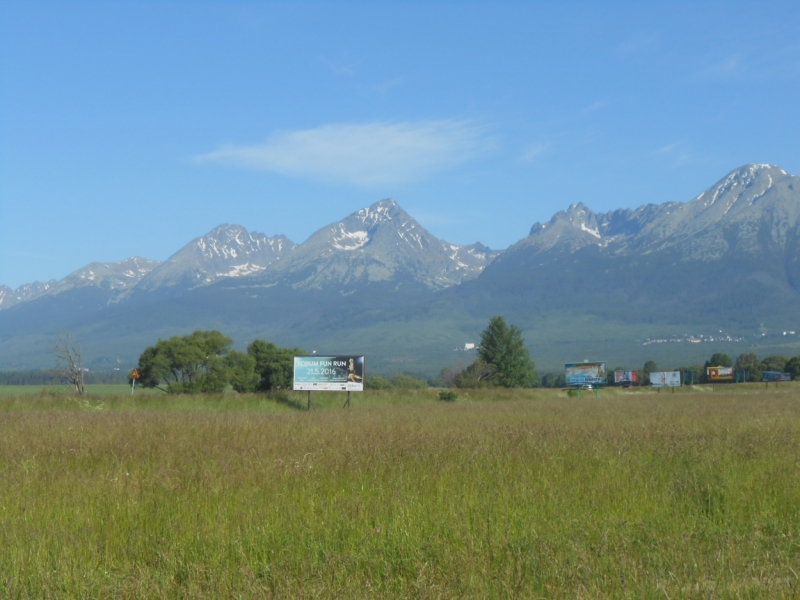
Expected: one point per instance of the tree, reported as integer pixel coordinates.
(719, 360)
(774, 363)
(477, 375)
(793, 367)
(650, 366)
(189, 364)
(554, 380)
(69, 366)
(242, 371)
(274, 366)
(748, 361)
(503, 350)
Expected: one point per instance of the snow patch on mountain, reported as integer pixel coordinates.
(591, 231)
(241, 270)
(350, 240)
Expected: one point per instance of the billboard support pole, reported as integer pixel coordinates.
(347, 404)
(309, 399)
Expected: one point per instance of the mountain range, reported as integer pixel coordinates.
(378, 283)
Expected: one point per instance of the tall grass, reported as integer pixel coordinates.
(640, 496)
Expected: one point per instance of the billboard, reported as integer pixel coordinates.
(329, 373)
(665, 379)
(719, 373)
(626, 376)
(586, 372)
(776, 376)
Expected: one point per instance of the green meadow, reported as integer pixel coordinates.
(501, 494)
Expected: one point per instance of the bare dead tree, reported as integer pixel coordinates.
(69, 366)
(478, 374)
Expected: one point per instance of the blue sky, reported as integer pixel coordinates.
(130, 128)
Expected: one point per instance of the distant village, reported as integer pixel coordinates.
(716, 337)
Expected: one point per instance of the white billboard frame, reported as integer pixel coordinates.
(588, 372)
(665, 379)
(340, 373)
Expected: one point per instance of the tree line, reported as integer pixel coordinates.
(53, 377)
(204, 362)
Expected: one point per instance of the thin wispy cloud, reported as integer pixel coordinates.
(729, 66)
(674, 153)
(753, 65)
(534, 152)
(363, 155)
(385, 86)
(339, 68)
(668, 148)
(638, 43)
(593, 107)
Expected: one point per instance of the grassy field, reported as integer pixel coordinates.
(500, 494)
(96, 389)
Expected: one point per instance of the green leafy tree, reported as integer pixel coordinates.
(793, 367)
(718, 359)
(554, 380)
(189, 364)
(503, 350)
(274, 366)
(774, 363)
(748, 361)
(650, 366)
(242, 371)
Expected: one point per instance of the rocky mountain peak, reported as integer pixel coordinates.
(23, 293)
(225, 251)
(578, 216)
(381, 222)
(112, 276)
(574, 228)
(748, 183)
(378, 213)
(751, 199)
(230, 242)
(380, 243)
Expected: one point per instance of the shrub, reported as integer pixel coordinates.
(447, 396)
(376, 382)
(408, 382)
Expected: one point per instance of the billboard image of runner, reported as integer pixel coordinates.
(329, 373)
(626, 376)
(586, 372)
(665, 379)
